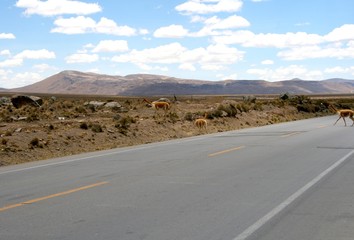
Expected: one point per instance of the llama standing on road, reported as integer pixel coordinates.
(343, 113)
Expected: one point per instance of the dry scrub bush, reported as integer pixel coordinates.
(4, 141)
(188, 116)
(230, 109)
(173, 117)
(97, 128)
(84, 126)
(34, 142)
(123, 124)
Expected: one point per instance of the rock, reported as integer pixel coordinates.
(21, 100)
(96, 104)
(113, 105)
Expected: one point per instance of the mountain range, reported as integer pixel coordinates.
(75, 82)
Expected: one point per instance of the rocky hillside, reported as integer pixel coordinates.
(74, 82)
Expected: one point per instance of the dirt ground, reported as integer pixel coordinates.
(70, 125)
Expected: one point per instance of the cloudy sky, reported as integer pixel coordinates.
(198, 39)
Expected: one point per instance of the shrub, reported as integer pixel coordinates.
(188, 116)
(124, 122)
(84, 126)
(243, 107)
(80, 109)
(173, 116)
(96, 128)
(32, 117)
(3, 141)
(34, 142)
(8, 133)
(230, 109)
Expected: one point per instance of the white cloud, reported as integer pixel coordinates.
(56, 7)
(311, 52)
(143, 31)
(27, 78)
(148, 68)
(7, 36)
(213, 67)
(209, 6)
(36, 54)
(43, 67)
(163, 54)
(4, 78)
(187, 66)
(301, 24)
(82, 58)
(9, 80)
(172, 31)
(18, 59)
(4, 73)
(213, 25)
(230, 22)
(81, 24)
(345, 32)
(217, 26)
(5, 52)
(222, 54)
(339, 69)
(108, 26)
(267, 62)
(74, 25)
(214, 57)
(286, 73)
(249, 39)
(93, 70)
(111, 46)
(15, 62)
(228, 77)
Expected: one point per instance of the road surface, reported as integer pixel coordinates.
(291, 180)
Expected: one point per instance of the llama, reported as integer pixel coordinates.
(201, 123)
(158, 104)
(343, 113)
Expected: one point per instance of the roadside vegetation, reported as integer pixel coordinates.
(68, 124)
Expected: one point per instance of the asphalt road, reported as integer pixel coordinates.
(285, 181)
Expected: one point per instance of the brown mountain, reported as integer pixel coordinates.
(74, 82)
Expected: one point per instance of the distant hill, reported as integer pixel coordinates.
(74, 82)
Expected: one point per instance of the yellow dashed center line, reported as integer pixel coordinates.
(290, 134)
(51, 196)
(225, 151)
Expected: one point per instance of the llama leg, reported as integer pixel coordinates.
(352, 120)
(345, 123)
(337, 120)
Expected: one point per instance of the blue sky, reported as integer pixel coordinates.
(196, 39)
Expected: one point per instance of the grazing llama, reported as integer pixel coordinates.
(158, 105)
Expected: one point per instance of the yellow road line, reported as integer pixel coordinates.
(51, 196)
(225, 151)
(290, 134)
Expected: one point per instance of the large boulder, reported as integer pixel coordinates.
(21, 100)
